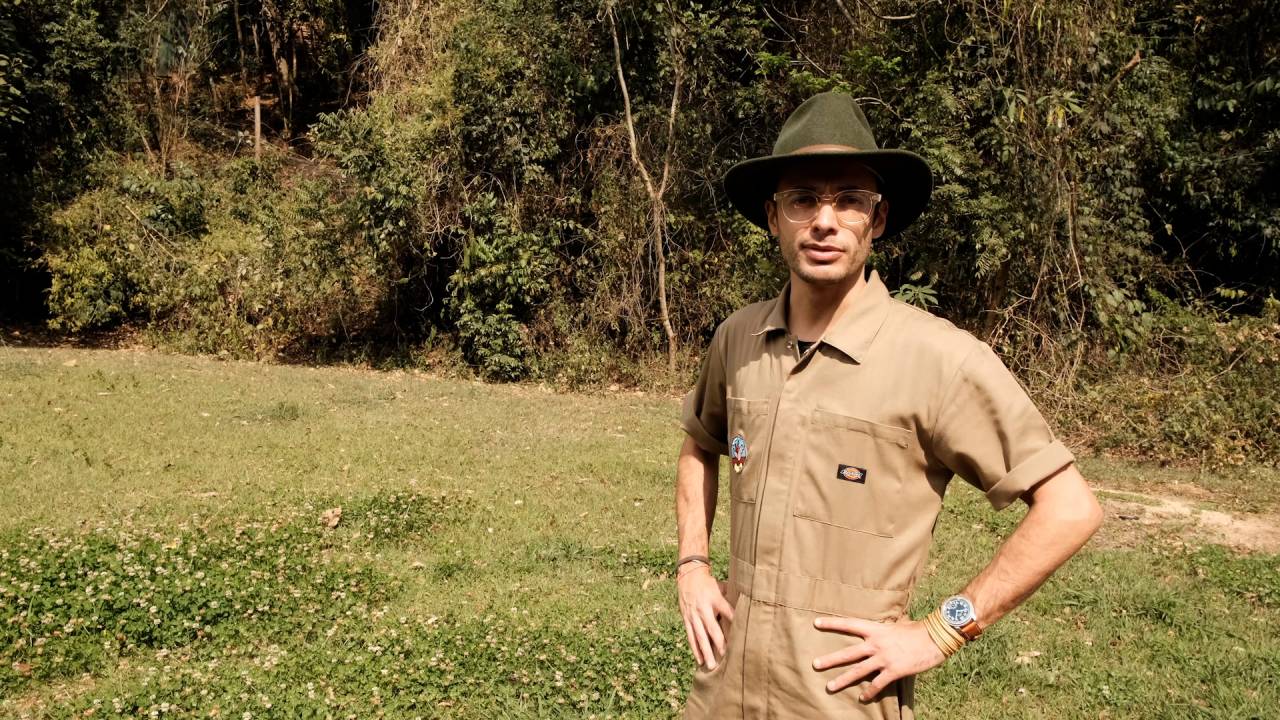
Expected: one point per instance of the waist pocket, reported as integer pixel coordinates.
(852, 473)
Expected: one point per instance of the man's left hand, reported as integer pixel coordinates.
(891, 650)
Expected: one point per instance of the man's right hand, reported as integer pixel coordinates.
(702, 601)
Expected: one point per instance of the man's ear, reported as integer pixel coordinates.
(882, 217)
(771, 212)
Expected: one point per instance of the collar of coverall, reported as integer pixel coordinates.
(852, 332)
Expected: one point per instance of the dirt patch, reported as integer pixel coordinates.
(1133, 518)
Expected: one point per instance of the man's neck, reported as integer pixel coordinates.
(812, 308)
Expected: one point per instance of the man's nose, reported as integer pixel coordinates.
(825, 219)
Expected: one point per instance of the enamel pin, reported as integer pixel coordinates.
(738, 452)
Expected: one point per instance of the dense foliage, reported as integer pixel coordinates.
(472, 182)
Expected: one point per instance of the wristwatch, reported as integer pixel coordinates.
(958, 612)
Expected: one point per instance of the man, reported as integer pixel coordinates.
(845, 414)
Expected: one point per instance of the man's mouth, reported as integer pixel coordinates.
(820, 253)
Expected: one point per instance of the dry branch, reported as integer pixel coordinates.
(658, 209)
(872, 9)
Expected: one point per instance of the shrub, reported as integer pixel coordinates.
(1199, 386)
(503, 274)
(237, 262)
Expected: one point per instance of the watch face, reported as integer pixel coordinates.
(957, 611)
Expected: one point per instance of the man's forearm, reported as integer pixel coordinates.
(1063, 515)
(697, 485)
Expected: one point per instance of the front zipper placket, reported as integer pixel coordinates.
(749, 657)
(790, 360)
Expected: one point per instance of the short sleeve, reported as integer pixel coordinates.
(990, 433)
(705, 415)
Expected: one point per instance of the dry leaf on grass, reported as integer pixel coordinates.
(331, 517)
(1025, 657)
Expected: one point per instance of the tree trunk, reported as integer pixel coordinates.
(280, 39)
(244, 71)
(660, 252)
(655, 192)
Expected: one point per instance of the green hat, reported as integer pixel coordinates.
(831, 124)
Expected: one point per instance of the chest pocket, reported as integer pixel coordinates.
(748, 433)
(852, 473)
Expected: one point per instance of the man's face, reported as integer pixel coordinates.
(823, 251)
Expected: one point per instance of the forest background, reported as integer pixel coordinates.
(530, 190)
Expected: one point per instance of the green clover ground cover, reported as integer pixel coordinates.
(502, 552)
(78, 601)
(234, 619)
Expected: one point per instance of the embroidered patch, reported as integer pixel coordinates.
(738, 452)
(851, 473)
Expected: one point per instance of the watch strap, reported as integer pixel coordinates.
(970, 630)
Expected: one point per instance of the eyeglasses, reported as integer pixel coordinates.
(853, 207)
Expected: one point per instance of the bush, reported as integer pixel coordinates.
(110, 244)
(502, 276)
(235, 263)
(1198, 386)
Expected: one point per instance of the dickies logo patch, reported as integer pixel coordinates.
(738, 452)
(851, 473)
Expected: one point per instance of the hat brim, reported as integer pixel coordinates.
(907, 183)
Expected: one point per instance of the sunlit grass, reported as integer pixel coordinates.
(503, 551)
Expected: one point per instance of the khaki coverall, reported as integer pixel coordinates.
(849, 449)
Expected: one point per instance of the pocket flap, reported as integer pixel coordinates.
(743, 406)
(896, 435)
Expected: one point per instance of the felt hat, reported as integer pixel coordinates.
(831, 124)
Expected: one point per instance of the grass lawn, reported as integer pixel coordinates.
(502, 551)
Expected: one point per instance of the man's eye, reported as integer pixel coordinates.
(804, 201)
(851, 201)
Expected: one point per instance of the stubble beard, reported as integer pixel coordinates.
(824, 277)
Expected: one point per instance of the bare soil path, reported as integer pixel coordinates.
(1133, 518)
